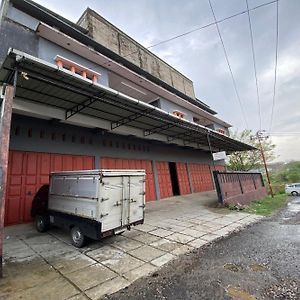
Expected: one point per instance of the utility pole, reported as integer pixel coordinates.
(260, 136)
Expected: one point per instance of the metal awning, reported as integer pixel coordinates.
(41, 82)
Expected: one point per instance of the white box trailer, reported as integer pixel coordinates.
(94, 203)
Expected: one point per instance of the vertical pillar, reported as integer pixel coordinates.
(189, 177)
(97, 162)
(5, 124)
(156, 180)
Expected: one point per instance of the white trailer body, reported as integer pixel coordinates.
(98, 202)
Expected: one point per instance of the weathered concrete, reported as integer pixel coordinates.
(5, 125)
(261, 262)
(114, 39)
(49, 263)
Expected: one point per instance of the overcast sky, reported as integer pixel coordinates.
(200, 56)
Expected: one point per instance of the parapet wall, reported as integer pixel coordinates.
(114, 39)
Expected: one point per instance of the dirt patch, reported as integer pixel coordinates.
(233, 267)
(238, 293)
(258, 267)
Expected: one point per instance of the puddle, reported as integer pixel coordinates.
(258, 267)
(233, 267)
(238, 293)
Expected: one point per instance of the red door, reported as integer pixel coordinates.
(164, 179)
(27, 172)
(183, 179)
(201, 177)
(120, 163)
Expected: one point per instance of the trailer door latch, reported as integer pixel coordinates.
(103, 215)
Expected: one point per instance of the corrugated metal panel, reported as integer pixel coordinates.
(62, 89)
(183, 179)
(27, 172)
(201, 177)
(164, 179)
(120, 163)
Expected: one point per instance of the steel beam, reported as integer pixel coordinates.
(159, 129)
(79, 107)
(131, 118)
(5, 125)
(180, 135)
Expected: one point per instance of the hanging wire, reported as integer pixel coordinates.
(275, 68)
(254, 64)
(229, 66)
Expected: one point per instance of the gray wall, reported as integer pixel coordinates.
(106, 145)
(18, 37)
(170, 107)
(18, 31)
(48, 51)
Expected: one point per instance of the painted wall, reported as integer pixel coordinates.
(171, 107)
(19, 32)
(18, 37)
(48, 51)
(30, 134)
(22, 18)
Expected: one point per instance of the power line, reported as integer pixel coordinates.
(229, 66)
(284, 133)
(275, 69)
(254, 64)
(200, 28)
(210, 24)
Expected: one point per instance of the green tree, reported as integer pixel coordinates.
(249, 160)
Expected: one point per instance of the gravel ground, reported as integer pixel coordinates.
(260, 262)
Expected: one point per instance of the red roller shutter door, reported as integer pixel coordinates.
(201, 177)
(164, 179)
(27, 172)
(119, 163)
(183, 179)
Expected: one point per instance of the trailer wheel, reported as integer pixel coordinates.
(77, 236)
(41, 223)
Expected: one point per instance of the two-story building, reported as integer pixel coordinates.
(86, 96)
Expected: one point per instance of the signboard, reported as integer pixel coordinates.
(219, 155)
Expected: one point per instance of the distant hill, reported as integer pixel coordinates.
(283, 173)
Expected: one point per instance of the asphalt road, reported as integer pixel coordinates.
(260, 262)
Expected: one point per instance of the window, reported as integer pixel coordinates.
(17, 130)
(221, 130)
(42, 134)
(196, 120)
(178, 114)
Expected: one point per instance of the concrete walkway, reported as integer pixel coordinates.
(38, 266)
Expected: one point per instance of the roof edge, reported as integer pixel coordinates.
(79, 33)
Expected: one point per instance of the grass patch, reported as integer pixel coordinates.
(267, 206)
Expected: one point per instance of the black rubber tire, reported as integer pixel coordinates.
(294, 193)
(42, 223)
(77, 237)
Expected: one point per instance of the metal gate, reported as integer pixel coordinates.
(183, 179)
(27, 172)
(201, 177)
(164, 179)
(131, 164)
